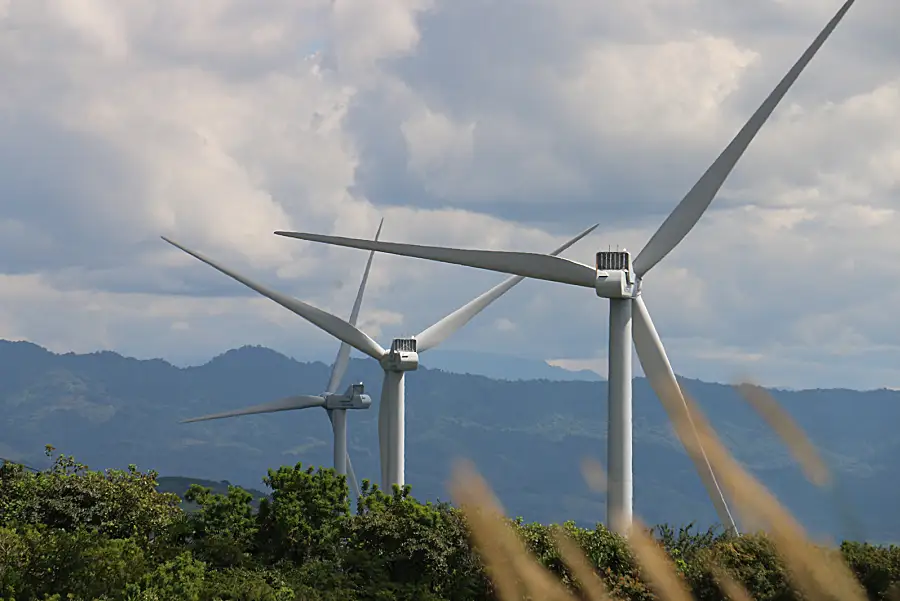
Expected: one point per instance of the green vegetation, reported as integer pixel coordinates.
(180, 486)
(72, 533)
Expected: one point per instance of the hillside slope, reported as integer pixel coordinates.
(528, 437)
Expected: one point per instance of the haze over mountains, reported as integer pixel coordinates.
(528, 437)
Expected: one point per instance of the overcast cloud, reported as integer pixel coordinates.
(504, 125)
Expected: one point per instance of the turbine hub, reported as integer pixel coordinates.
(615, 275)
(402, 356)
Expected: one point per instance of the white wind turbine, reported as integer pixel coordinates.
(336, 405)
(402, 357)
(617, 278)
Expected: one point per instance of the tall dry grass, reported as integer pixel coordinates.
(815, 572)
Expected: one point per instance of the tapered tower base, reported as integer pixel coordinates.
(620, 491)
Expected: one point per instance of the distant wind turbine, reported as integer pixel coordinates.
(615, 277)
(402, 357)
(336, 405)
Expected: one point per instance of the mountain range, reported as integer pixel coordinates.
(526, 436)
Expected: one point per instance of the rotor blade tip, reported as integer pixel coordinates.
(172, 242)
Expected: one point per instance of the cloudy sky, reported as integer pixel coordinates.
(489, 124)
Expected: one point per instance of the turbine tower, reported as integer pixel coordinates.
(336, 405)
(617, 278)
(402, 357)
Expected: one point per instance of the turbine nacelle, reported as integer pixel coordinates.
(615, 275)
(354, 397)
(402, 356)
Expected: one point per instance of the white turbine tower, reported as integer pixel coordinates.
(336, 405)
(402, 357)
(615, 277)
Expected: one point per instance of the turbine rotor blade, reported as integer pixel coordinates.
(694, 204)
(441, 330)
(530, 265)
(24, 465)
(286, 404)
(351, 475)
(354, 481)
(343, 356)
(659, 372)
(332, 324)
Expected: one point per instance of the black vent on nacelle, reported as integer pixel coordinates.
(613, 260)
(403, 345)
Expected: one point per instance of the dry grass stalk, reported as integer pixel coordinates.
(517, 574)
(814, 572)
(732, 588)
(803, 450)
(657, 566)
(594, 474)
(577, 562)
(800, 446)
(514, 571)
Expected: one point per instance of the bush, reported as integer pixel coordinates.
(876, 568)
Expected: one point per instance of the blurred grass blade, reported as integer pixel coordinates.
(577, 562)
(818, 575)
(657, 566)
(594, 475)
(801, 447)
(732, 589)
(506, 558)
(803, 450)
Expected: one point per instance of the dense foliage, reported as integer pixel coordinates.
(72, 533)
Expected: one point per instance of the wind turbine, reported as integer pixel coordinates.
(336, 405)
(617, 278)
(402, 357)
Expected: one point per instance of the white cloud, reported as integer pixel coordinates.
(465, 124)
(505, 325)
(649, 91)
(440, 151)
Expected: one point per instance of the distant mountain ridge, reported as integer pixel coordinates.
(180, 485)
(492, 365)
(503, 367)
(527, 436)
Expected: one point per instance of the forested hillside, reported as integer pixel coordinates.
(527, 437)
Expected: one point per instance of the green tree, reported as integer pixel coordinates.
(83, 563)
(876, 568)
(182, 578)
(751, 559)
(223, 531)
(304, 518)
(117, 503)
(406, 547)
